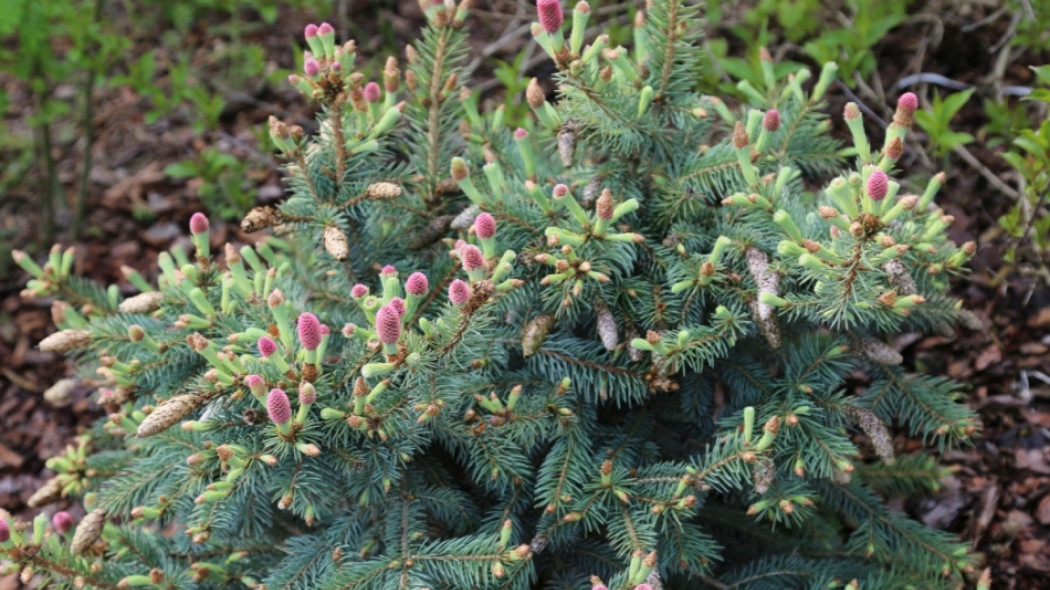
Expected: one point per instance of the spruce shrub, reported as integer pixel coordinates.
(640, 344)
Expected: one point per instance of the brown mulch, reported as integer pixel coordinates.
(996, 493)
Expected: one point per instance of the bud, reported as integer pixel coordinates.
(275, 298)
(895, 149)
(199, 224)
(605, 206)
(307, 393)
(459, 169)
(740, 139)
(550, 15)
(851, 111)
(485, 226)
(311, 68)
(771, 120)
(62, 522)
(5, 530)
(278, 407)
(458, 292)
(878, 185)
(256, 384)
(309, 331)
(534, 95)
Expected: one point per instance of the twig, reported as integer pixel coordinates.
(986, 173)
(860, 103)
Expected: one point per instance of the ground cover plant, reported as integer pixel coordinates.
(636, 344)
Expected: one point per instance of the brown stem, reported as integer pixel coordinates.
(88, 129)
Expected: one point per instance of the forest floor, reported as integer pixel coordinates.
(995, 494)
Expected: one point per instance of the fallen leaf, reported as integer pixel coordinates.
(1031, 459)
(1042, 511)
(988, 356)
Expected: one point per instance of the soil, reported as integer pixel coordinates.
(996, 493)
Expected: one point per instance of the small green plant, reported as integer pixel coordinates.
(936, 122)
(1027, 222)
(225, 188)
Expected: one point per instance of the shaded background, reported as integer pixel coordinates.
(122, 118)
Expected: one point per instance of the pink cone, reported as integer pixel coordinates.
(458, 292)
(62, 522)
(485, 226)
(878, 185)
(267, 346)
(417, 284)
(278, 407)
(388, 324)
(771, 121)
(908, 102)
(309, 331)
(399, 305)
(550, 15)
(472, 257)
(199, 224)
(372, 92)
(358, 291)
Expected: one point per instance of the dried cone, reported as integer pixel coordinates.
(50, 492)
(763, 474)
(633, 353)
(534, 95)
(880, 352)
(464, 218)
(65, 340)
(61, 392)
(740, 139)
(260, 218)
(383, 190)
(567, 143)
(534, 333)
(875, 428)
(168, 413)
(88, 531)
(607, 329)
(142, 303)
(431, 233)
(900, 277)
(768, 282)
(335, 243)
